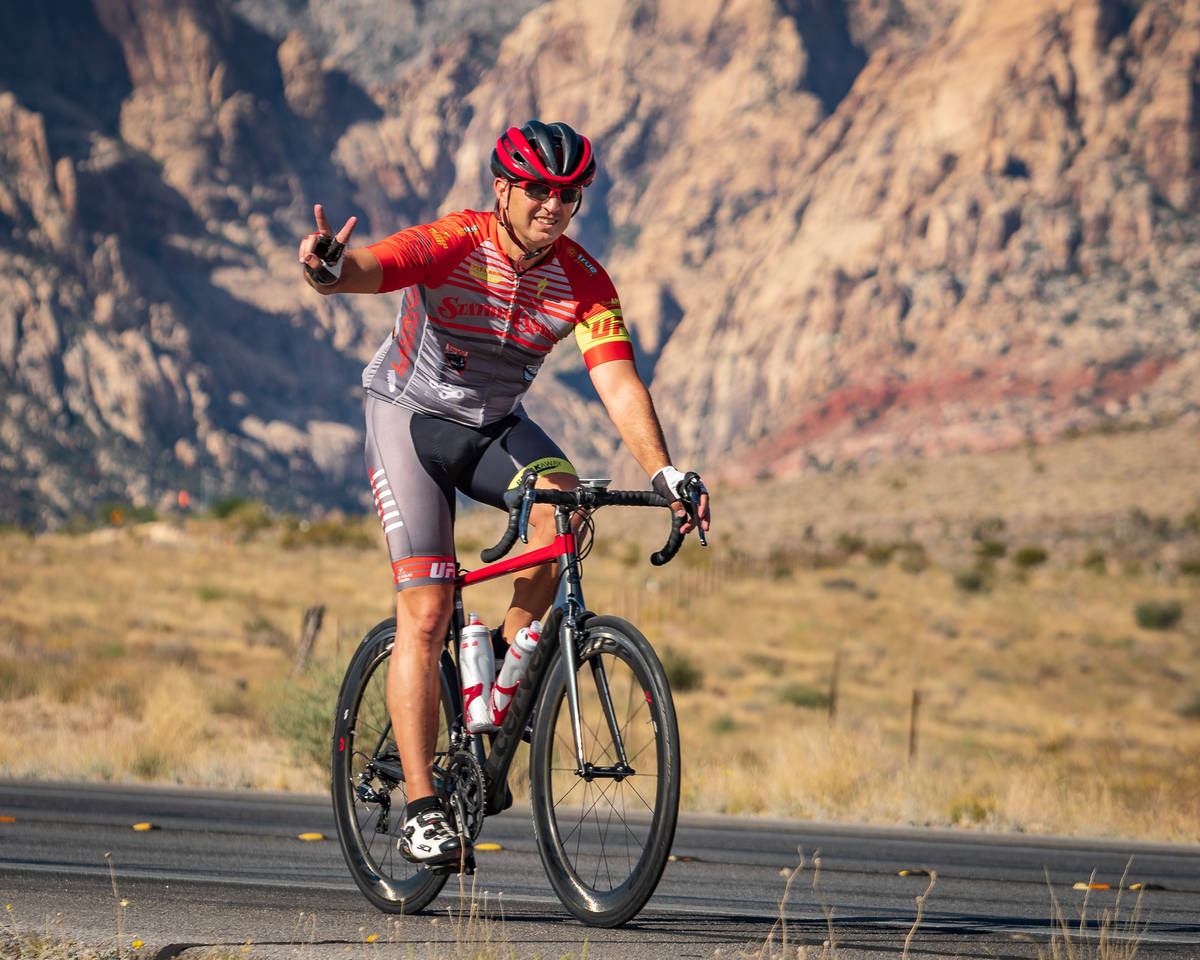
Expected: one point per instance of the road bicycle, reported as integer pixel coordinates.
(595, 705)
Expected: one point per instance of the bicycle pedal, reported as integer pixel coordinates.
(466, 867)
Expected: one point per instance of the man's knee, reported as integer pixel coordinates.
(424, 612)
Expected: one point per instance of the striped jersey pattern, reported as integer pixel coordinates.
(471, 332)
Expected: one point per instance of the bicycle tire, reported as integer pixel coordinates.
(604, 842)
(363, 744)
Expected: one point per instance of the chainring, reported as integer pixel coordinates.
(466, 783)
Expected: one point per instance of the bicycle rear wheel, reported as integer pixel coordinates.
(369, 793)
(604, 831)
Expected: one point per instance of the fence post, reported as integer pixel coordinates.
(833, 685)
(913, 723)
(308, 637)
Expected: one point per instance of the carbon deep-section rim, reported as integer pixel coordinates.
(604, 834)
(369, 793)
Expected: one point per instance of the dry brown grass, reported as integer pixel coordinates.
(161, 652)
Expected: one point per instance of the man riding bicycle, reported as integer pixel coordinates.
(485, 296)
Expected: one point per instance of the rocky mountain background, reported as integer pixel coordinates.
(842, 229)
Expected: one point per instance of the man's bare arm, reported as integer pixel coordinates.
(632, 411)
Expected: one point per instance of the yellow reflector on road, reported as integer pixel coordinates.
(312, 836)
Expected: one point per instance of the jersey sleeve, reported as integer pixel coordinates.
(426, 254)
(602, 336)
(599, 328)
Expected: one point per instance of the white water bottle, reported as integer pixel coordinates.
(516, 661)
(477, 670)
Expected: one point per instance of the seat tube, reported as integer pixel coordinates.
(571, 598)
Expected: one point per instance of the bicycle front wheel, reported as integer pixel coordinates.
(604, 828)
(369, 791)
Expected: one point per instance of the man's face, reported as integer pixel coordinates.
(537, 223)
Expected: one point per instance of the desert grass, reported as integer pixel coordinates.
(1112, 935)
(829, 658)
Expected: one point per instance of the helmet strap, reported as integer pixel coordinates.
(502, 216)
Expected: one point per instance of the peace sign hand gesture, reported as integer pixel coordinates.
(321, 252)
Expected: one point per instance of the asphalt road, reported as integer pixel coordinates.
(228, 870)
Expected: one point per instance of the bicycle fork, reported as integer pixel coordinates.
(570, 600)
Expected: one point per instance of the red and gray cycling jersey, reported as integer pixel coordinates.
(472, 332)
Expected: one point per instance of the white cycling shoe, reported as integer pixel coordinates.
(428, 838)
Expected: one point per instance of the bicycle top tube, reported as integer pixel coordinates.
(563, 545)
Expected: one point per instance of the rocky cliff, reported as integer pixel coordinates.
(840, 229)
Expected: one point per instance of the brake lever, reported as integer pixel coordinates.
(693, 485)
(526, 506)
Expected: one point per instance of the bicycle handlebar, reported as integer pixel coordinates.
(585, 497)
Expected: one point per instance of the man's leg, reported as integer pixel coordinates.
(414, 683)
(414, 701)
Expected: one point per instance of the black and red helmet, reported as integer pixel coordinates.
(552, 153)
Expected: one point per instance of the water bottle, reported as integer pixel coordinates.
(477, 670)
(516, 661)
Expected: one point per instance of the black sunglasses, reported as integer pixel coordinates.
(541, 192)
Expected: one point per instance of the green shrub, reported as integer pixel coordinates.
(151, 763)
(1190, 566)
(973, 580)
(681, 673)
(991, 550)
(724, 724)
(78, 524)
(880, 554)
(801, 695)
(262, 630)
(333, 530)
(117, 513)
(850, 542)
(913, 558)
(303, 712)
(1030, 556)
(16, 681)
(1158, 614)
(989, 528)
(227, 506)
(971, 810)
(1095, 561)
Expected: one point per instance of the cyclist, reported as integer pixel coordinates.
(485, 296)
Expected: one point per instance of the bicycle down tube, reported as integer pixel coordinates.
(569, 603)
